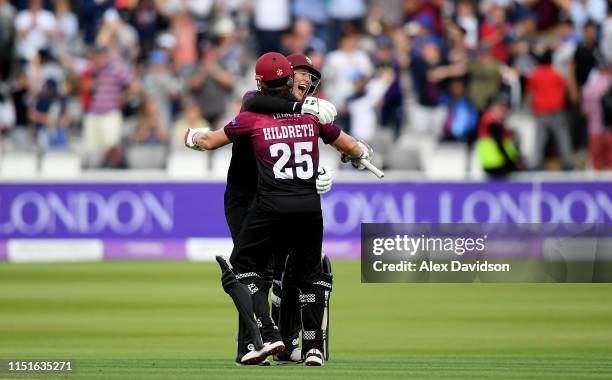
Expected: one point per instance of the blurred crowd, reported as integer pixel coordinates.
(97, 76)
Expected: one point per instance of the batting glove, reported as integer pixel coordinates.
(366, 154)
(324, 180)
(322, 109)
(190, 133)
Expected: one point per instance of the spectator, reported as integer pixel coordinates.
(102, 125)
(92, 12)
(493, 33)
(526, 28)
(345, 14)
(315, 12)
(201, 10)
(467, 20)
(547, 12)
(458, 52)
(564, 47)
(47, 117)
(427, 12)
(579, 69)
(393, 102)
(119, 37)
(521, 45)
(7, 14)
(338, 68)
(583, 62)
(462, 114)
(497, 151)
(270, 19)
(161, 85)
(428, 114)
(390, 13)
(166, 42)
(231, 46)
(35, 28)
(22, 133)
(67, 33)
(606, 34)
(485, 79)
(42, 67)
(183, 29)
(150, 129)
(584, 11)
(363, 105)
(7, 113)
(212, 85)
(192, 118)
(148, 22)
(600, 129)
(546, 88)
(303, 38)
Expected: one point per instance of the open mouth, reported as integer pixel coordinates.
(302, 88)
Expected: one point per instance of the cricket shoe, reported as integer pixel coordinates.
(288, 357)
(274, 347)
(265, 363)
(253, 356)
(258, 356)
(314, 358)
(272, 340)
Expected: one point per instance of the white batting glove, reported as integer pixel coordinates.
(325, 111)
(366, 154)
(324, 180)
(190, 133)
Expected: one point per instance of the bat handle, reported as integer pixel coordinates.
(377, 172)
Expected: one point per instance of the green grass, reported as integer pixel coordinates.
(164, 320)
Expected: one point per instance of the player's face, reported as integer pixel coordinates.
(302, 81)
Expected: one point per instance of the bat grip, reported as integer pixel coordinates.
(368, 165)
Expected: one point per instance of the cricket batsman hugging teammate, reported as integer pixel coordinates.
(273, 210)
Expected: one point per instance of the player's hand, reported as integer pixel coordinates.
(325, 111)
(366, 154)
(324, 180)
(190, 133)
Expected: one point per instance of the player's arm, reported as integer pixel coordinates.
(348, 145)
(322, 109)
(205, 139)
(353, 151)
(270, 104)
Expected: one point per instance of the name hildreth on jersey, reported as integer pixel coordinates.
(289, 131)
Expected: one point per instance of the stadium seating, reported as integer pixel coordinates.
(329, 157)
(19, 165)
(60, 164)
(424, 144)
(146, 156)
(187, 164)
(404, 158)
(448, 163)
(524, 125)
(220, 162)
(382, 143)
(475, 171)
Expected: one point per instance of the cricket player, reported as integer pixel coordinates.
(306, 80)
(286, 210)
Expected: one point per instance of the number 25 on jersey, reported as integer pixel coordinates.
(301, 151)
